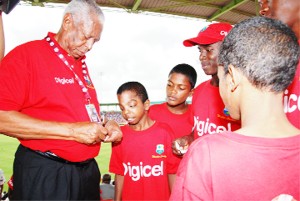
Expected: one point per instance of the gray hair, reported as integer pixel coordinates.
(82, 10)
(265, 50)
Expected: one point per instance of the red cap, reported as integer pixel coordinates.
(210, 34)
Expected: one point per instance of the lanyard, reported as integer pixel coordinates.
(70, 67)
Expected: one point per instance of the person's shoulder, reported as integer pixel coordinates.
(27, 48)
(31, 43)
(163, 128)
(211, 139)
(202, 86)
(162, 125)
(158, 106)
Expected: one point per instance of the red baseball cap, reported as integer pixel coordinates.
(210, 34)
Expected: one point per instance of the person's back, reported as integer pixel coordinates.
(243, 167)
(260, 160)
(107, 190)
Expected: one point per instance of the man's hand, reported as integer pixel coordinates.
(88, 132)
(114, 132)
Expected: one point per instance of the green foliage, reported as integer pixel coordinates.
(8, 147)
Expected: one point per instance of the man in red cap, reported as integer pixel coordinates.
(210, 115)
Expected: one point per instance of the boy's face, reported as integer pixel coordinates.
(209, 57)
(132, 107)
(178, 89)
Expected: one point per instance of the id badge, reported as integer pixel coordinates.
(92, 112)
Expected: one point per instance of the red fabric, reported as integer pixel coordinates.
(230, 166)
(291, 100)
(208, 111)
(10, 183)
(35, 82)
(181, 124)
(213, 33)
(139, 150)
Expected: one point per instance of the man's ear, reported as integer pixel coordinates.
(67, 21)
(234, 76)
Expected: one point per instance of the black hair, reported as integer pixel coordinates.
(265, 50)
(106, 178)
(186, 70)
(136, 87)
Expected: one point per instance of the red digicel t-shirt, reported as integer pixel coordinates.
(230, 166)
(291, 100)
(35, 82)
(208, 112)
(144, 158)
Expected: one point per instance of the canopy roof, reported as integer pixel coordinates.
(232, 11)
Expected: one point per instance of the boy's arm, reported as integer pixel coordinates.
(119, 180)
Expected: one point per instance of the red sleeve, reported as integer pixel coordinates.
(115, 164)
(14, 89)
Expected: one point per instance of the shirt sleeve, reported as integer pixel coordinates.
(115, 164)
(193, 178)
(14, 80)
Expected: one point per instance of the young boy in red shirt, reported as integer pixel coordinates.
(176, 112)
(143, 161)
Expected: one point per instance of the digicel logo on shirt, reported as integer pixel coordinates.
(207, 127)
(291, 102)
(138, 171)
(64, 80)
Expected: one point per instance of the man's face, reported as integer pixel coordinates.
(264, 8)
(80, 37)
(209, 57)
(283, 10)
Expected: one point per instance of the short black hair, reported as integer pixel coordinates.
(186, 70)
(265, 50)
(106, 178)
(136, 87)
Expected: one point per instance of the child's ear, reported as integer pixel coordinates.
(147, 104)
(191, 92)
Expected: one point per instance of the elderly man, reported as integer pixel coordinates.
(48, 102)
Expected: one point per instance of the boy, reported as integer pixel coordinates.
(207, 106)
(176, 112)
(261, 160)
(143, 160)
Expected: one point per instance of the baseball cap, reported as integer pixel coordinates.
(210, 34)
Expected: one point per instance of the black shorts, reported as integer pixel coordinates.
(37, 177)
